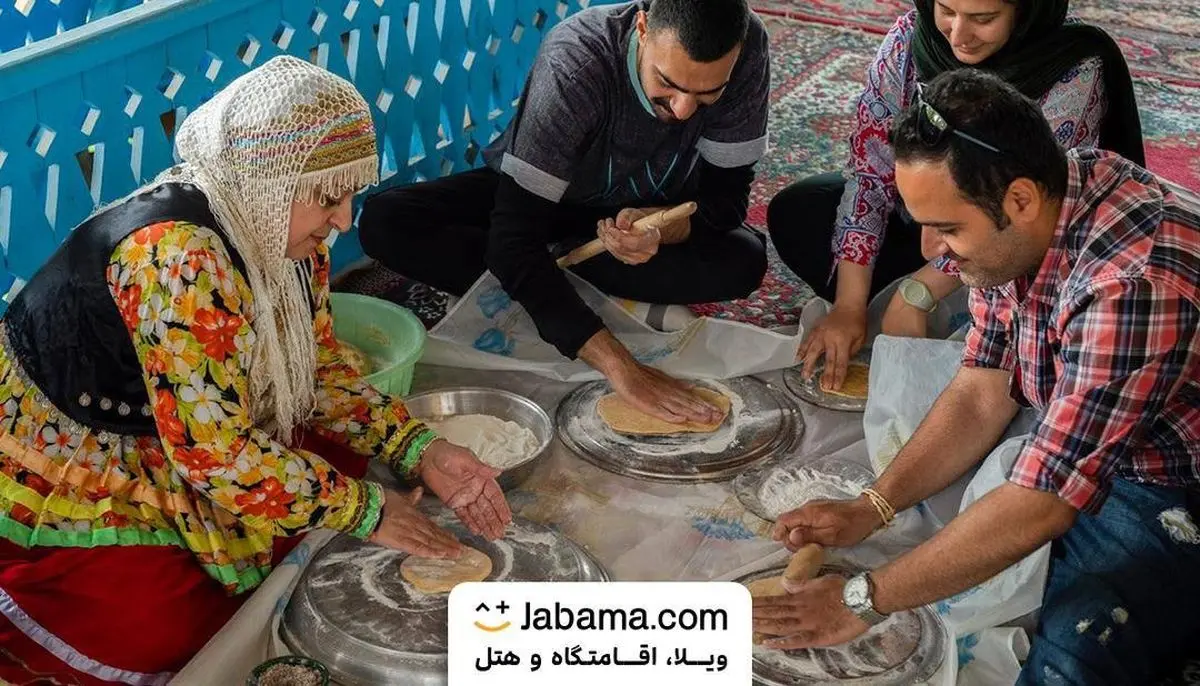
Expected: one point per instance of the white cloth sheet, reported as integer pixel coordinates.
(650, 531)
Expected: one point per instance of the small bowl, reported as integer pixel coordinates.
(448, 402)
(295, 660)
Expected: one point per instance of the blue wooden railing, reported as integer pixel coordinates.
(89, 114)
(25, 21)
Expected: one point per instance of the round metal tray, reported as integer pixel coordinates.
(763, 421)
(754, 487)
(809, 390)
(352, 611)
(908, 648)
(448, 402)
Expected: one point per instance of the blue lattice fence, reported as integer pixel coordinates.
(25, 21)
(88, 115)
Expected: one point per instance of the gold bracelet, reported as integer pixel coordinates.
(891, 511)
(886, 512)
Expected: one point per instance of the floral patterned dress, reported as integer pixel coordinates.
(211, 482)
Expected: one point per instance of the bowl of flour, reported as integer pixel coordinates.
(504, 430)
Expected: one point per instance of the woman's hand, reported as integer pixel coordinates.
(466, 486)
(837, 337)
(403, 527)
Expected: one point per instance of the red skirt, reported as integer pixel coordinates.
(124, 614)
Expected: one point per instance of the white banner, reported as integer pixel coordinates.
(598, 634)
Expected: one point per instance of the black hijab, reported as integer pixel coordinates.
(1040, 50)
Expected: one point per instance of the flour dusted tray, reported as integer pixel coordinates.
(908, 648)
(809, 389)
(763, 421)
(352, 610)
(776, 486)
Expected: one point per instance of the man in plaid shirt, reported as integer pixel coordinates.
(1085, 276)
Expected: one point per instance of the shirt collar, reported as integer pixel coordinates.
(1044, 283)
(635, 80)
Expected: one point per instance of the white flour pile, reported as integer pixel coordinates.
(785, 491)
(496, 442)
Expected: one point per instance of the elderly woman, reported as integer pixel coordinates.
(851, 227)
(158, 376)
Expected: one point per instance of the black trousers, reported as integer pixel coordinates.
(436, 232)
(801, 221)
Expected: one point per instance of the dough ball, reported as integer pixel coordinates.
(436, 575)
(855, 384)
(624, 419)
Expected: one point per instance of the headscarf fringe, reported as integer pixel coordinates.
(344, 178)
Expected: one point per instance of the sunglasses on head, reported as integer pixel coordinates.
(933, 127)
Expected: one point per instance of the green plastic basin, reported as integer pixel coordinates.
(390, 336)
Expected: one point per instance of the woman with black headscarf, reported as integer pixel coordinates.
(851, 225)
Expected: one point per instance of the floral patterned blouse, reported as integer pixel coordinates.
(1074, 107)
(211, 482)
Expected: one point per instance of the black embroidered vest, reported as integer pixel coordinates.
(64, 328)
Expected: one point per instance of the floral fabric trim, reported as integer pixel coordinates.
(211, 482)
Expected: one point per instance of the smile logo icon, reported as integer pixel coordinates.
(492, 627)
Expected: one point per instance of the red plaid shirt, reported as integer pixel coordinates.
(1102, 341)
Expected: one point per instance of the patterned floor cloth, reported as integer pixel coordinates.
(820, 52)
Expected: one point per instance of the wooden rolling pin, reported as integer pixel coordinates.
(805, 563)
(661, 218)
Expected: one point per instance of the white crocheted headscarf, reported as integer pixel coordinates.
(287, 130)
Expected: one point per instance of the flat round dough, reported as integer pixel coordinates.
(623, 418)
(855, 384)
(438, 575)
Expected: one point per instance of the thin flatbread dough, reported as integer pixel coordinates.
(437, 575)
(624, 419)
(855, 384)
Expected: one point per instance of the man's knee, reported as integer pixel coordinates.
(753, 262)
(1085, 636)
(745, 253)
(382, 218)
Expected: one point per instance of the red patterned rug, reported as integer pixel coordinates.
(1160, 40)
